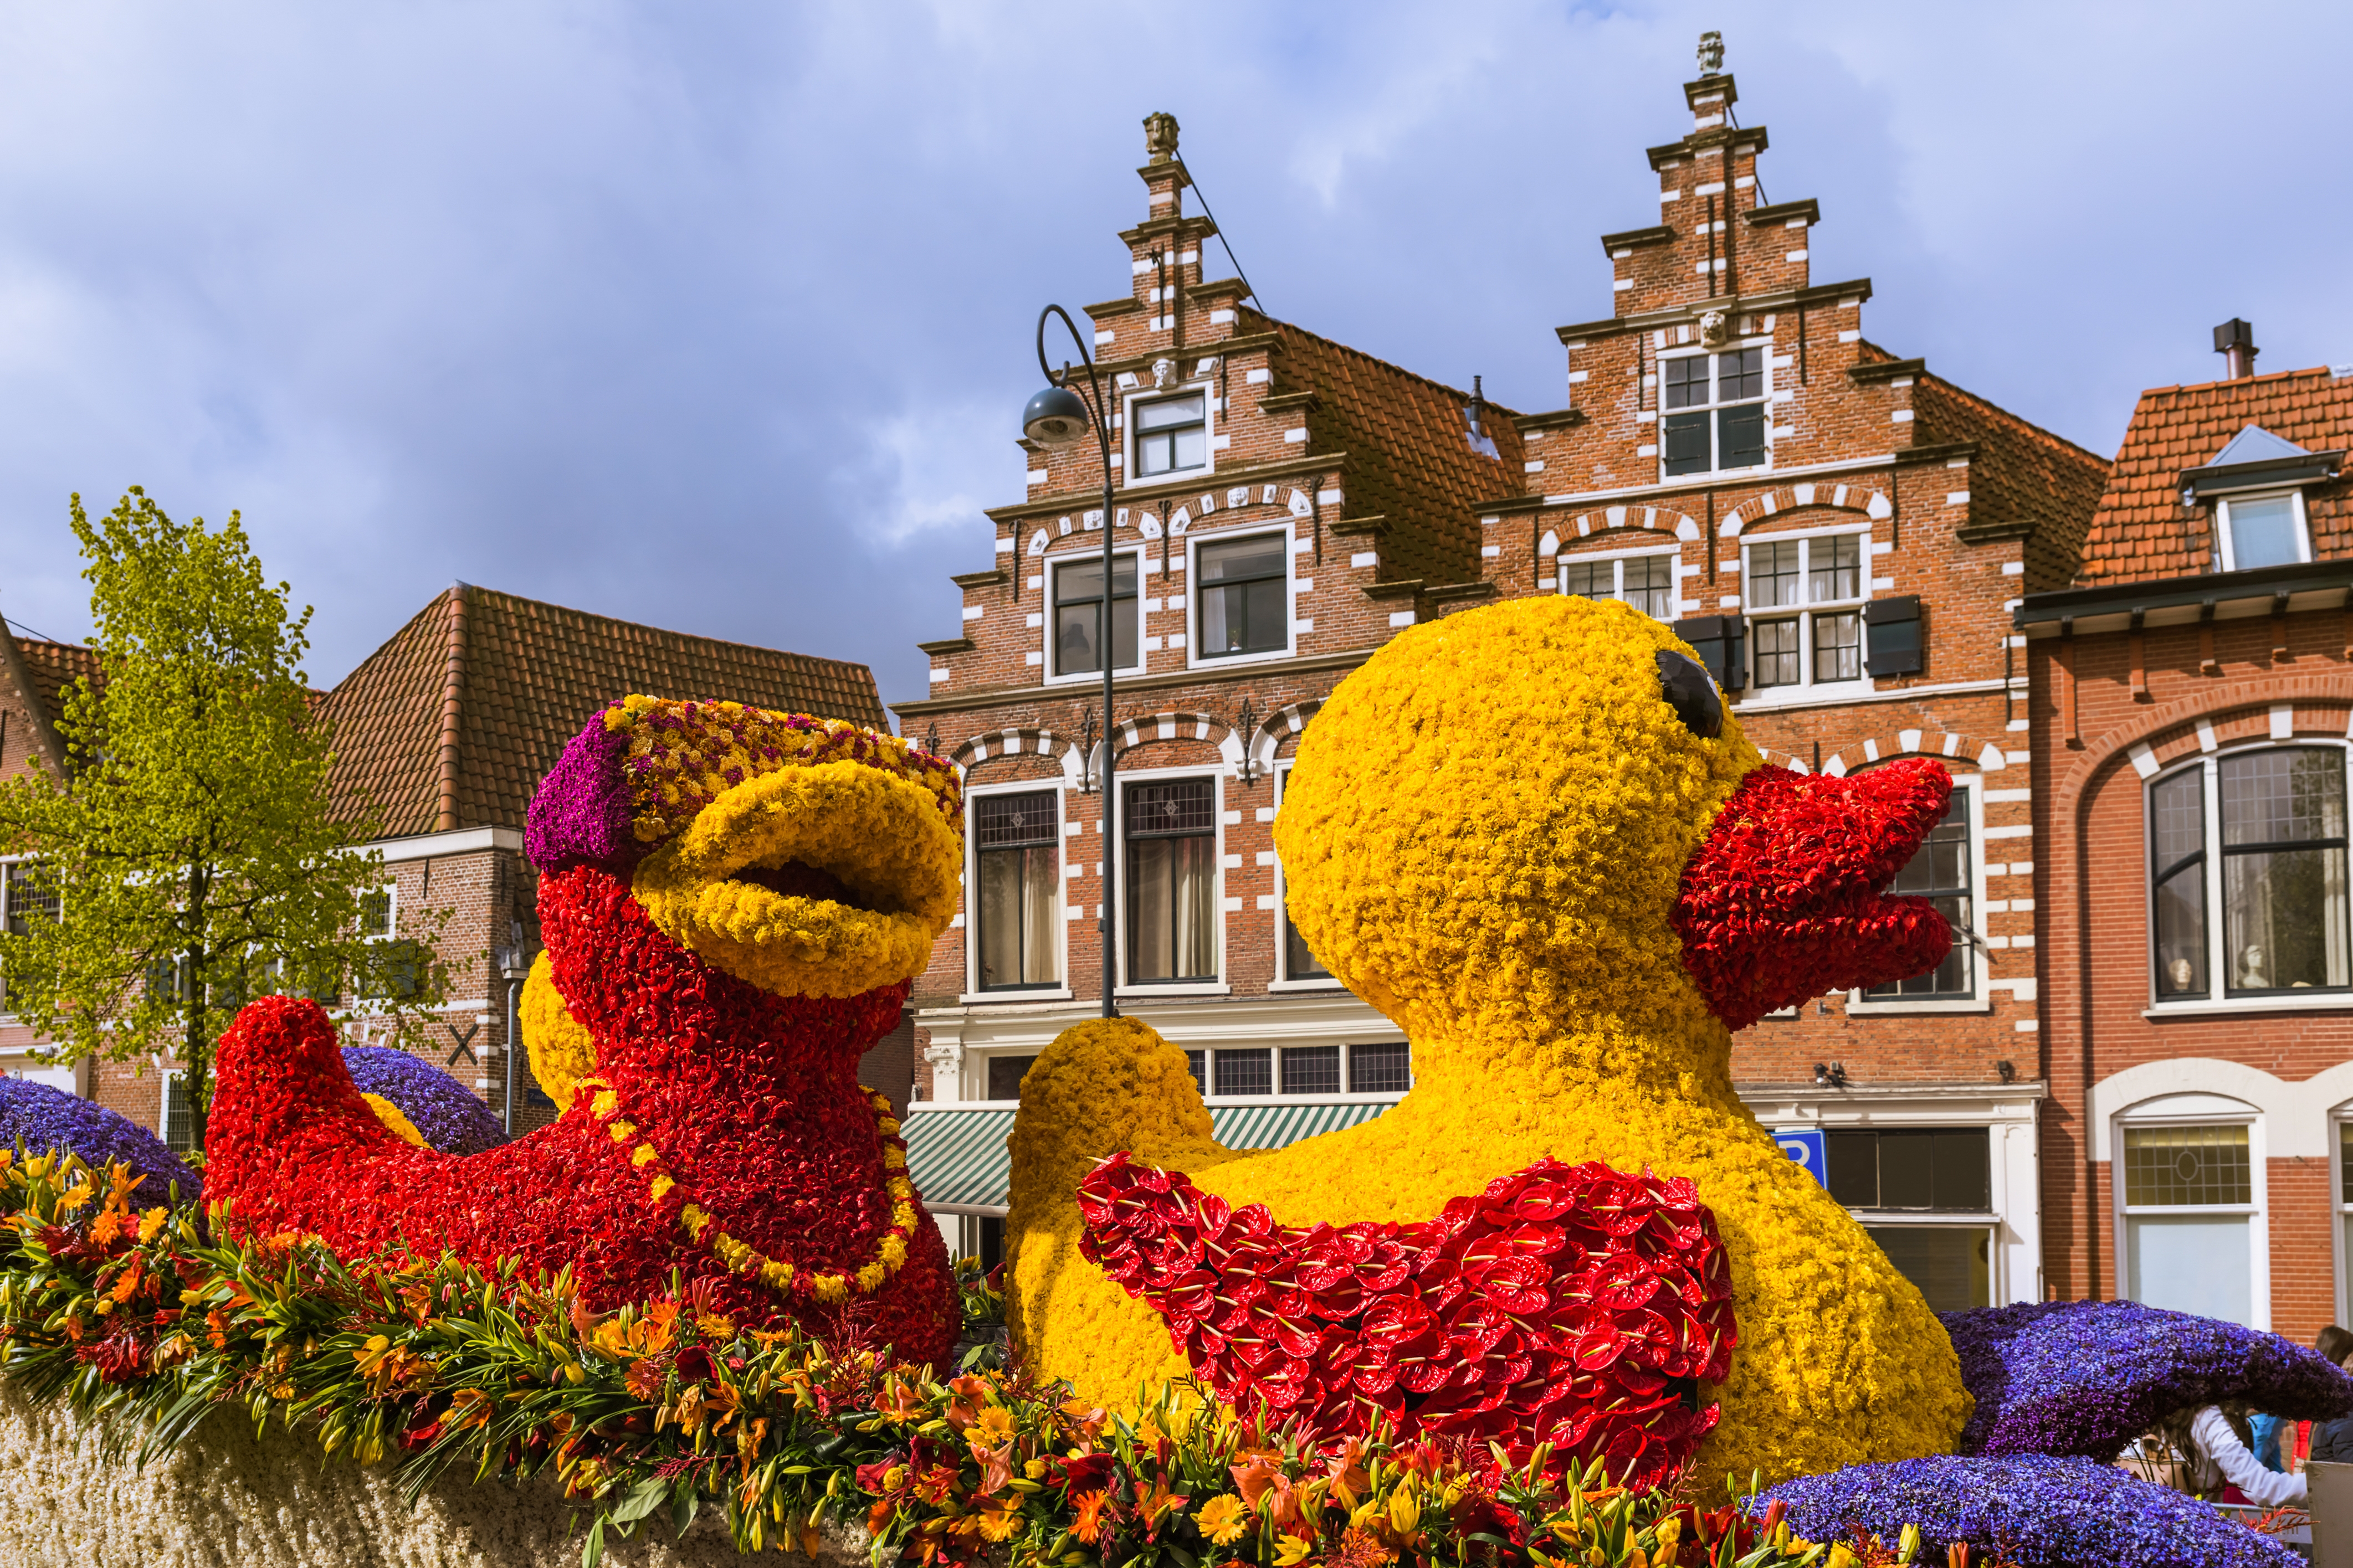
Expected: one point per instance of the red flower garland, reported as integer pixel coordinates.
(1782, 902)
(751, 1099)
(1570, 1304)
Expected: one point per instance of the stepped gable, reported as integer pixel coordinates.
(2142, 531)
(452, 722)
(1410, 460)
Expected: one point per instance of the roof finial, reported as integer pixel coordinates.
(1711, 53)
(1160, 136)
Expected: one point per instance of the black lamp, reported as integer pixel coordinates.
(1056, 417)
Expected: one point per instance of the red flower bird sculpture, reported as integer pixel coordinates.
(734, 903)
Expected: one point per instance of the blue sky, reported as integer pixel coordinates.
(718, 316)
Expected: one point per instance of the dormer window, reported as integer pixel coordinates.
(1714, 411)
(1172, 435)
(2261, 531)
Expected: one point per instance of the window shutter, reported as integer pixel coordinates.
(1717, 641)
(1892, 643)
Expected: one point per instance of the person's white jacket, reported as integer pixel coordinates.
(2267, 1488)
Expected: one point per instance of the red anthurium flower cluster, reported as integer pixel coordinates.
(1573, 1305)
(1784, 902)
(750, 1101)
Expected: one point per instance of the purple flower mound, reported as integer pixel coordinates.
(2041, 1511)
(446, 1113)
(581, 812)
(43, 1118)
(2086, 1377)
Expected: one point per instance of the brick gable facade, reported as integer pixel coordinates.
(2169, 697)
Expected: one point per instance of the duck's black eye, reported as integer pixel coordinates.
(1689, 692)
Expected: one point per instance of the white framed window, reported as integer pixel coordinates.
(175, 1118)
(2260, 529)
(2341, 1185)
(1016, 928)
(1926, 1195)
(1378, 1069)
(380, 911)
(2189, 1205)
(1297, 966)
(1170, 433)
(1804, 596)
(1074, 624)
(1714, 411)
(1642, 578)
(1172, 926)
(1241, 594)
(2258, 836)
(1946, 870)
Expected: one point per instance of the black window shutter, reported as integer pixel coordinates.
(1892, 642)
(1717, 641)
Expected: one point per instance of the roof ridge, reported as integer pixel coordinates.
(1282, 326)
(514, 598)
(2240, 380)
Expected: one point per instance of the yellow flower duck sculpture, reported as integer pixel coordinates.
(1531, 835)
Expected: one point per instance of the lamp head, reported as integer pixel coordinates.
(1056, 417)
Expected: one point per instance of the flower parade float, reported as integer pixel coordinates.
(734, 903)
(1532, 836)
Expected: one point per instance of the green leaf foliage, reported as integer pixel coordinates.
(189, 858)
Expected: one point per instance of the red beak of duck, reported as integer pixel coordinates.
(1786, 899)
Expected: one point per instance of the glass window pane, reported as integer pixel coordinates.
(1242, 560)
(1964, 1178)
(1245, 1072)
(1940, 871)
(1685, 381)
(2191, 1263)
(1834, 568)
(2283, 919)
(1311, 1070)
(1168, 411)
(1739, 375)
(1194, 1064)
(1838, 646)
(1589, 579)
(1005, 1076)
(2178, 817)
(1650, 586)
(1298, 961)
(1853, 1168)
(1952, 1265)
(2182, 933)
(1740, 436)
(2263, 533)
(1382, 1068)
(1192, 448)
(999, 820)
(2178, 1166)
(1776, 653)
(2285, 796)
(1685, 440)
(1194, 938)
(1908, 1165)
(1172, 806)
(1773, 575)
(998, 899)
(1151, 901)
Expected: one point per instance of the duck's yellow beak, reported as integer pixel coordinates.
(1786, 897)
(820, 881)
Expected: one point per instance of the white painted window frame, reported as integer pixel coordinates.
(1194, 538)
(1059, 991)
(2257, 1212)
(1220, 987)
(2218, 998)
(1980, 997)
(1282, 979)
(2225, 530)
(1659, 359)
(1562, 562)
(1807, 687)
(1054, 564)
(1129, 479)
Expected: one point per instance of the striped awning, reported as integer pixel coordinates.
(958, 1162)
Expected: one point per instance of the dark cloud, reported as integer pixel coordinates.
(718, 316)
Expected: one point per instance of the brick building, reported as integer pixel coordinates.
(2192, 704)
(442, 736)
(1840, 532)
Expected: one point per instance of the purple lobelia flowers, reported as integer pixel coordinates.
(2032, 1508)
(44, 1119)
(2086, 1377)
(447, 1115)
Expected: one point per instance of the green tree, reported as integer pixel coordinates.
(189, 859)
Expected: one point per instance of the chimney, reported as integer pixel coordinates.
(2235, 339)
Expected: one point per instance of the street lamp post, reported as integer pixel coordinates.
(1056, 419)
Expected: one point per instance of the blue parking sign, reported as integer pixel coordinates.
(1810, 1148)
